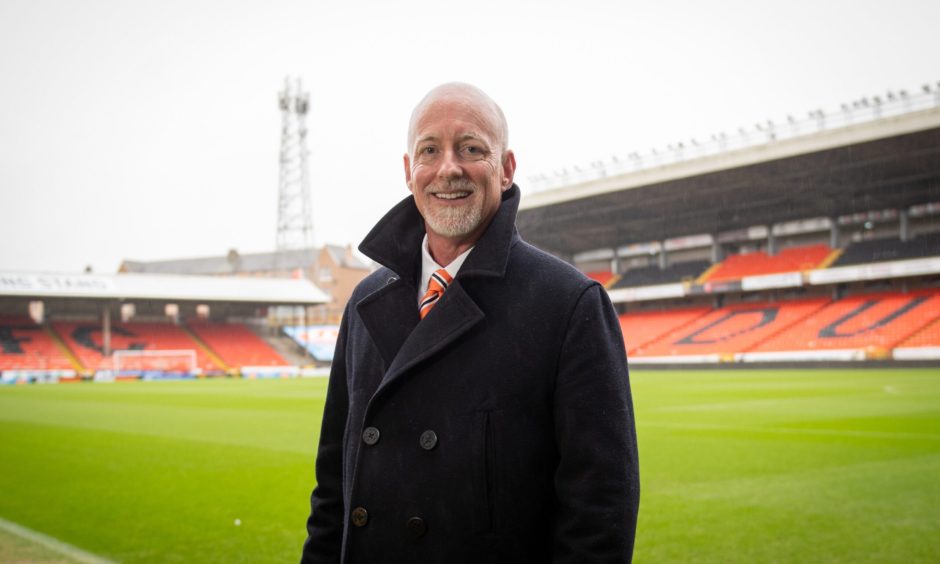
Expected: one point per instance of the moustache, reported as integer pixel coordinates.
(455, 185)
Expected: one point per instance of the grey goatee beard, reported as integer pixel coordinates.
(456, 221)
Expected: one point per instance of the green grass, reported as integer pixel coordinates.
(737, 466)
(159, 472)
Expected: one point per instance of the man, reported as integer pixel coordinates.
(478, 408)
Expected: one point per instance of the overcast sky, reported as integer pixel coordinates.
(150, 130)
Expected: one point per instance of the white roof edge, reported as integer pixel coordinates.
(170, 287)
(826, 139)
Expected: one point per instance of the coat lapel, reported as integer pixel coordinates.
(454, 315)
(390, 315)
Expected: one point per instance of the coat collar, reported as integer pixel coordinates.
(390, 314)
(395, 241)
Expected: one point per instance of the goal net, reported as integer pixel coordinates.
(166, 362)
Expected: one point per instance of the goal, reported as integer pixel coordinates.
(133, 362)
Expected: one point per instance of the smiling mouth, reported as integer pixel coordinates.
(459, 195)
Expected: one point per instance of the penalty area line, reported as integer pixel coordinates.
(53, 544)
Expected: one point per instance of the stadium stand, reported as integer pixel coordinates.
(732, 329)
(236, 345)
(84, 339)
(869, 321)
(928, 336)
(642, 328)
(654, 275)
(24, 345)
(881, 250)
(794, 259)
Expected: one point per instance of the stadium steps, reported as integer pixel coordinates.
(284, 346)
(288, 349)
(61, 344)
(216, 359)
(831, 258)
(703, 277)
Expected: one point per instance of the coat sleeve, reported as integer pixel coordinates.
(326, 520)
(597, 479)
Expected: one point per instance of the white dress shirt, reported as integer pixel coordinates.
(429, 266)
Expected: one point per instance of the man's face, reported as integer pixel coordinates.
(457, 169)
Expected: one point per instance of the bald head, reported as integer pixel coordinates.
(473, 98)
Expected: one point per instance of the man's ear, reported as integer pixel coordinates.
(509, 168)
(407, 161)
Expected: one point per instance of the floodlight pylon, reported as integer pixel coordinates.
(294, 208)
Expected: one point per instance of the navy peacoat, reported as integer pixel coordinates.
(498, 429)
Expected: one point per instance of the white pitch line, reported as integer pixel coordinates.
(52, 544)
(790, 431)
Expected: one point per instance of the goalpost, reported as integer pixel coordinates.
(164, 362)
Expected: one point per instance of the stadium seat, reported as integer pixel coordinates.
(654, 275)
(868, 321)
(645, 327)
(794, 259)
(928, 336)
(602, 276)
(236, 344)
(732, 329)
(881, 250)
(24, 345)
(85, 340)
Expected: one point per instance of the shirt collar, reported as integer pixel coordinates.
(429, 266)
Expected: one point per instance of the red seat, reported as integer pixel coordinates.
(24, 345)
(85, 340)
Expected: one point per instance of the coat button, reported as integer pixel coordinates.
(416, 527)
(360, 516)
(428, 440)
(370, 435)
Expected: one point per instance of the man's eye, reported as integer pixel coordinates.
(428, 151)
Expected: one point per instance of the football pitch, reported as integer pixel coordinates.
(736, 466)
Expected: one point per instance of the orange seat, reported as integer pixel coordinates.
(795, 259)
(881, 320)
(732, 329)
(928, 336)
(644, 327)
(602, 276)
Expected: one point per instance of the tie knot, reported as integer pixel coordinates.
(439, 281)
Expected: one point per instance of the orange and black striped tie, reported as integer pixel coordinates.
(436, 286)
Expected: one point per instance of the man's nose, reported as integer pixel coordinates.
(450, 165)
